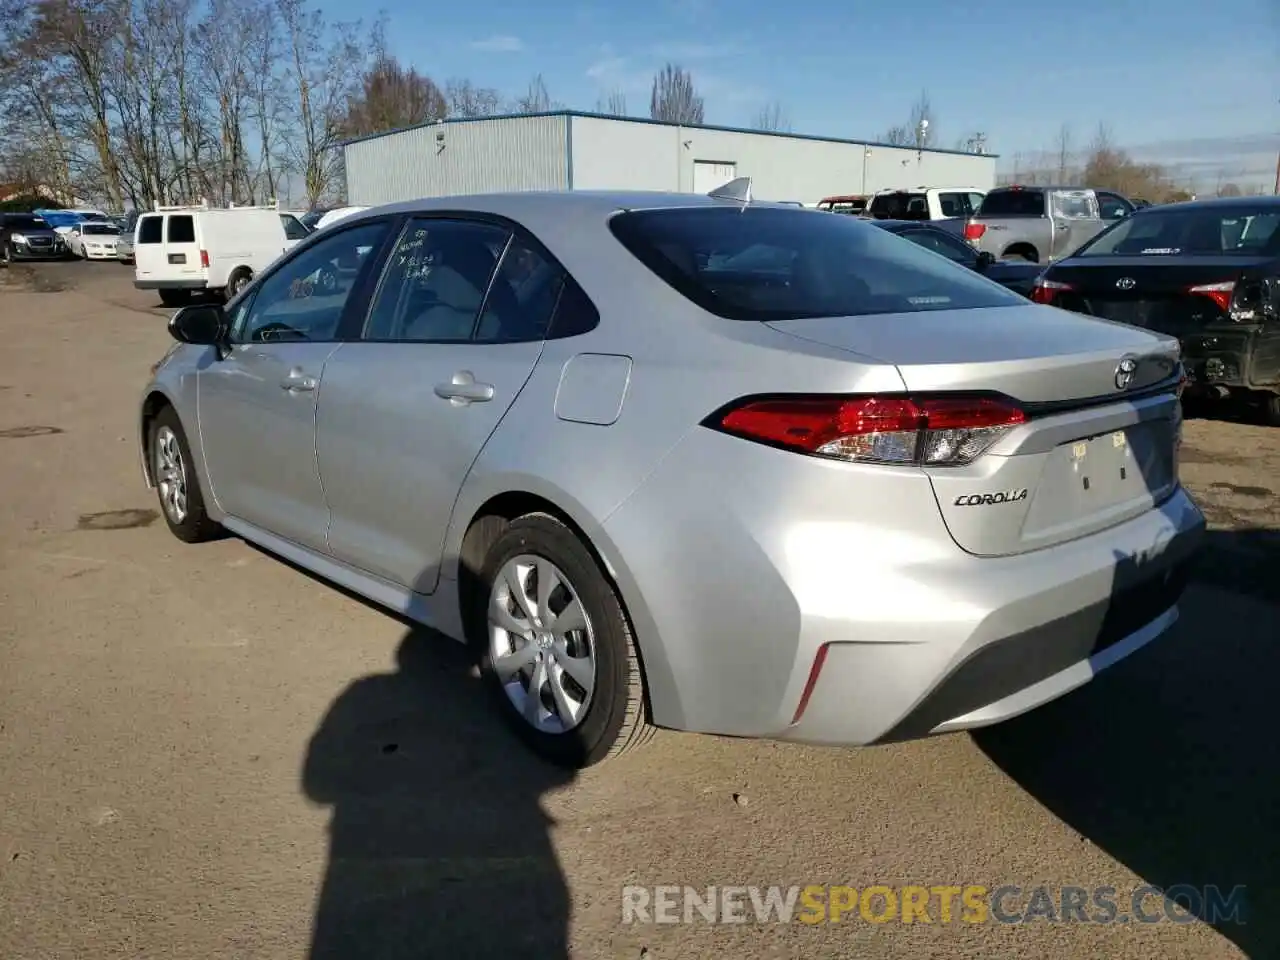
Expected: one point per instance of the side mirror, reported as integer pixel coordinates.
(203, 324)
(985, 259)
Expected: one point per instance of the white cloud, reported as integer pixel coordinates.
(499, 44)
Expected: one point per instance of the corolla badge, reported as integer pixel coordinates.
(1125, 372)
(1126, 283)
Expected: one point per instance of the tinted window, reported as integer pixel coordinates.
(182, 229)
(958, 204)
(900, 206)
(1112, 207)
(575, 313)
(1207, 231)
(149, 229)
(522, 296)
(838, 266)
(436, 280)
(1012, 203)
(942, 243)
(293, 229)
(91, 229)
(20, 223)
(305, 297)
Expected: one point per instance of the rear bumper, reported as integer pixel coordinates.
(170, 284)
(1071, 613)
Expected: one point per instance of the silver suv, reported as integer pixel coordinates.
(1042, 224)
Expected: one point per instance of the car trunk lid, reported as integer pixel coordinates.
(1157, 295)
(1099, 446)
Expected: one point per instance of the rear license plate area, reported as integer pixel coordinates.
(177, 258)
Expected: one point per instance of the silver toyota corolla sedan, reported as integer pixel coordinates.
(693, 462)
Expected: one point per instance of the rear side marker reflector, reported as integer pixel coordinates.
(888, 429)
(819, 659)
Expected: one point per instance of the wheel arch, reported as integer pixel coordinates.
(472, 540)
(1013, 248)
(155, 401)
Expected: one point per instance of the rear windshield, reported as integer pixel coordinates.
(900, 206)
(1012, 203)
(149, 229)
(772, 264)
(1206, 232)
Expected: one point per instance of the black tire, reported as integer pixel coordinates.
(615, 719)
(1023, 252)
(236, 282)
(1271, 409)
(195, 526)
(174, 298)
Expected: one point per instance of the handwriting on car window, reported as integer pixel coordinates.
(412, 258)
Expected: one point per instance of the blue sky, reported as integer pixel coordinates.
(1186, 81)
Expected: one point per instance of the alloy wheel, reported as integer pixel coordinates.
(171, 475)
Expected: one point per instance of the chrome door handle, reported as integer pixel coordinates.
(299, 383)
(463, 389)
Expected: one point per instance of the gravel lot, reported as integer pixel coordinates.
(205, 752)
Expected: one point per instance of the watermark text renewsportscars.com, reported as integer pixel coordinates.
(938, 904)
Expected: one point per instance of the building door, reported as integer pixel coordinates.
(710, 174)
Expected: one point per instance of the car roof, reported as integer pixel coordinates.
(601, 202)
(1265, 202)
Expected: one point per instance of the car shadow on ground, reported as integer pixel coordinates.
(438, 844)
(1170, 762)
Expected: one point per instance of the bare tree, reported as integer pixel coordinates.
(467, 100)
(923, 125)
(674, 98)
(392, 97)
(534, 100)
(1230, 189)
(773, 117)
(615, 105)
(896, 136)
(1063, 147)
(324, 66)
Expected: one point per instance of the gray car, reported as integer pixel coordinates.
(689, 461)
(124, 246)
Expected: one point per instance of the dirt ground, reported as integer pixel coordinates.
(206, 753)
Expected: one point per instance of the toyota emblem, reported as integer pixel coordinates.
(1125, 371)
(1126, 283)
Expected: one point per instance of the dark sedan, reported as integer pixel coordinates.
(1018, 275)
(1206, 272)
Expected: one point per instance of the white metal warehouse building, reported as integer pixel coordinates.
(568, 150)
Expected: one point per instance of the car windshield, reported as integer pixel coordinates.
(777, 264)
(26, 223)
(1199, 232)
(108, 229)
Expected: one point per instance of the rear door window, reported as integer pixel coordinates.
(182, 228)
(778, 264)
(149, 229)
(1075, 204)
(957, 204)
(1013, 203)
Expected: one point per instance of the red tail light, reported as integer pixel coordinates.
(1044, 291)
(1219, 293)
(922, 431)
(204, 258)
(974, 231)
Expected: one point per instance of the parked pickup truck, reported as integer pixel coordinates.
(1042, 224)
(947, 208)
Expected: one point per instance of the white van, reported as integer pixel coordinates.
(178, 251)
